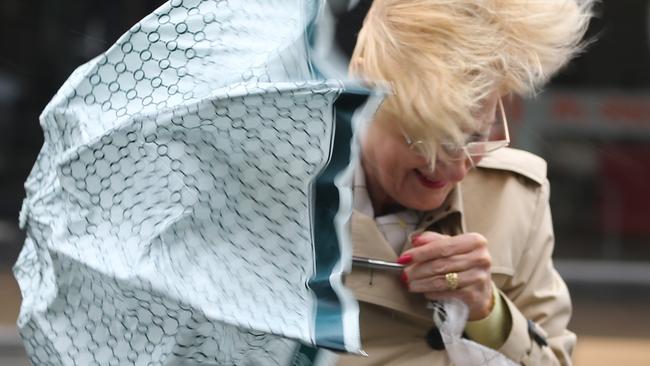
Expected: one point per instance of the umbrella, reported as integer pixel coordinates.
(190, 203)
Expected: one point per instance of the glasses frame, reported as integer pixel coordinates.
(472, 149)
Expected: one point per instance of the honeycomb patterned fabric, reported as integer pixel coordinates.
(450, 317)
(190, 203)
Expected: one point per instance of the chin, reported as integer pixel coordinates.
(420, 205)
(430, 199)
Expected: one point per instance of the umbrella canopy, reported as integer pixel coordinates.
(190, 203)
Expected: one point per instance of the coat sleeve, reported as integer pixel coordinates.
(538, 299)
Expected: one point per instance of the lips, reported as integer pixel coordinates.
(428, 182)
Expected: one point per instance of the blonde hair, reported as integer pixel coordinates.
(442, 58)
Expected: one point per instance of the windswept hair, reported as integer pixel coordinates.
(442, 58)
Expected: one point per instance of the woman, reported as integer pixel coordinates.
(437, 192)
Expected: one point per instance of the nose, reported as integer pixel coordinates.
(453, 170)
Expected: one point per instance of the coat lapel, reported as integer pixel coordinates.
(380, 287)
(368, 240)
(447, 220)
(383, 287)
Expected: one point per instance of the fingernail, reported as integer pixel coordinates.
(405, 259)
(404, 278)
(417, 240)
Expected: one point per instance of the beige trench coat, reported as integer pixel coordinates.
(505, 199)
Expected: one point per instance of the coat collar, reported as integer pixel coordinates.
(384, 288)
(369, 242)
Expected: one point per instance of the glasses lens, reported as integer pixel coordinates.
(498, 128)
(452, 152)
(482, 148)
(496, 137)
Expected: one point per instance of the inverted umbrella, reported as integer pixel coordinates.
(190, 202)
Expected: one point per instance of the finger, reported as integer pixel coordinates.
(470, 295)
(479, 299)
(478, 259)
(439, 283)
(425, 237)
(445, 247)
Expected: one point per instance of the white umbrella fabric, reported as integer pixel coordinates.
(191, 200)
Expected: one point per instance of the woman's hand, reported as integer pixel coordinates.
(434, 255)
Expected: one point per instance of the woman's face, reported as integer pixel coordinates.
(398, 176)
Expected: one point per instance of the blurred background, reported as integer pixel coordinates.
(592, 125)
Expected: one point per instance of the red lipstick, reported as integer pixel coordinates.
(429, 183)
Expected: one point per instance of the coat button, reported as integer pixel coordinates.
(434, 339)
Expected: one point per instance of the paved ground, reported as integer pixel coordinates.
(609, 351)
(11, 353)
(613, 325)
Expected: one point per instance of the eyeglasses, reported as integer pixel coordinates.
(477, 144)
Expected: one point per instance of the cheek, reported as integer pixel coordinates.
(393, 161)
(400, 174)
(402, 162)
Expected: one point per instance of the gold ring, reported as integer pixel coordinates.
(452, 280)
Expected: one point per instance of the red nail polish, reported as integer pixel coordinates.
(405, 259)
(417, 240)
(404, 278)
